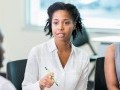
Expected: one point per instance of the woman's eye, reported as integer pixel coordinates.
(55, 23)
(67, 23)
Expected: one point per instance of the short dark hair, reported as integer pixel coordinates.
(1, 49)
(72, 10)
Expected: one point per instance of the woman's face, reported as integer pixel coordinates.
(62, 25)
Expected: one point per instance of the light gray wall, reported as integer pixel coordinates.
(18, 39)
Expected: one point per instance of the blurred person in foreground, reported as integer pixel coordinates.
(4, 83)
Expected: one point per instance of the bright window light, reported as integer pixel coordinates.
(94, 13)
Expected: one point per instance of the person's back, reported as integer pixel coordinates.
(4, 83)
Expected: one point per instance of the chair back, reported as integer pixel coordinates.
(15, 72)
(100, 82)
(83, 38)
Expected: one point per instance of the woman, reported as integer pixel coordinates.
(57, 64)
(4, 83)
(112, 67)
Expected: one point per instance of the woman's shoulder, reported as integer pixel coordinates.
(84, 57)
(80, 51)
(82, 54)
(110, 48)
(110, 51)
(40, 48)
(41, 45)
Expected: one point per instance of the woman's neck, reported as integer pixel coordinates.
(63, 46)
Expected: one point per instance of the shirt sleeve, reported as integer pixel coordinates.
(31, 77)
(83, 80)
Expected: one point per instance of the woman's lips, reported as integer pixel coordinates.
(60, 35)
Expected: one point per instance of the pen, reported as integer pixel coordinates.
(52, 76)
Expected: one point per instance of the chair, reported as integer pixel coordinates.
(15, 72)
(81, 39)
(100, 83)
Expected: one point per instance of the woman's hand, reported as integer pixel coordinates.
(47, 81)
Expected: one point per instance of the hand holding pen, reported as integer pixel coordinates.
(47, 81)
(52, 77)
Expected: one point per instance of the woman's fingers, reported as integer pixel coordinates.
(47, 81)
(50, 80)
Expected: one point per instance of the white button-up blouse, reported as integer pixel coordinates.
(73, 76)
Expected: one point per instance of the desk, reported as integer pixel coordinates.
(104, 42)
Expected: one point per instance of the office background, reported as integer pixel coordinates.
(19, 39)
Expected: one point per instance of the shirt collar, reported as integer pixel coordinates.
(52, 46)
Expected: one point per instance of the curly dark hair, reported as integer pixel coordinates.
(72, 10)
(1, 50)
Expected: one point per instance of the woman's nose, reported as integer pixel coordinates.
(61, 26)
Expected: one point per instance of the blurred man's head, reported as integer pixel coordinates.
(1, 49)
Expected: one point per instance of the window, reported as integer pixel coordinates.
(94, 13)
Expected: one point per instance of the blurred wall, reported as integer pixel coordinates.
(18, 39)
